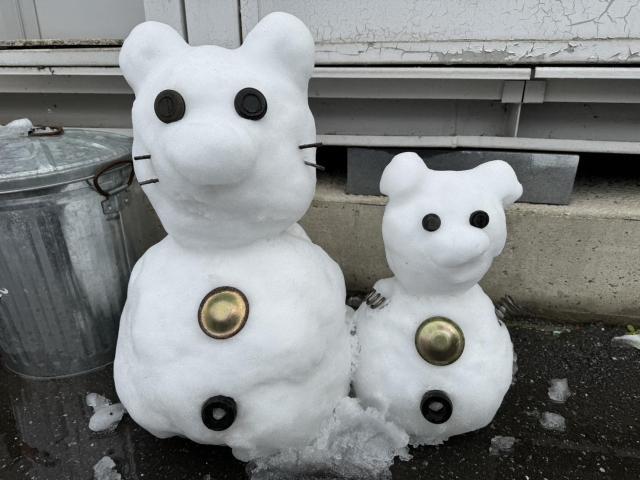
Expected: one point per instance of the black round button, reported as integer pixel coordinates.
(169, 106)
(431, 222)
(479, 219)
(250, 103)
(436, 406)
(219, 412)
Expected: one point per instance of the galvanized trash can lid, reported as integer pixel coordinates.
(40, 158)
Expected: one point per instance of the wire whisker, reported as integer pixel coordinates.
(147, 182)
(142, 157)
(315, 165)
(310, 145)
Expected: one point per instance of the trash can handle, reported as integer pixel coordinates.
(108, 168)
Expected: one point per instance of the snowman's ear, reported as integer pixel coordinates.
(283, 39)
(501, 179)
(403, 174)
(147, 45)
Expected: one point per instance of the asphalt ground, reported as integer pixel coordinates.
(44, 430)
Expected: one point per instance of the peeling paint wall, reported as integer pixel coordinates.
(464, 31)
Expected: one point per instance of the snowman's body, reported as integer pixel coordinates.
(393, 377)
(437, 262)
(285, 368)
(217, 134)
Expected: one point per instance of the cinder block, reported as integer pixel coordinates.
(545, 177)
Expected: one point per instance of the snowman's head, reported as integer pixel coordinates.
(219, 130)
(442, 229)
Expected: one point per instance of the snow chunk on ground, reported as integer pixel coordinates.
(559, 390)
(553, 421)
(16, 128)
(628, 340)
(501, 445)
(354, 444)
(105, 469)
(106, 416)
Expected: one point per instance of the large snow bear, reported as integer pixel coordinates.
(234, 329)
(433, 356)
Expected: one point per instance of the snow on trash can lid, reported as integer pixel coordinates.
(34, 158)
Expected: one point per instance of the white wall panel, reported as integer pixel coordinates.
(68, 19)
(213, 22)
(170, 12)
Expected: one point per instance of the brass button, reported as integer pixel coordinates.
(223, 312)
(439, 341)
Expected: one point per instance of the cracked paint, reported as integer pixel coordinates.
(465, 31)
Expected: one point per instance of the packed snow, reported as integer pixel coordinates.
(106, 416)
(559, 390)
(437, 267)
(105, 469)
(355, 443)
(553, 421)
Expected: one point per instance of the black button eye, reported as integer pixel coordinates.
(431, 222)
(169, 106)
(250, 103)
(479, 219)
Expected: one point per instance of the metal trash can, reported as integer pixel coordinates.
(65, 255)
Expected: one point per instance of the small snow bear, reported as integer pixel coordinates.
(234, 329)
(433, 355)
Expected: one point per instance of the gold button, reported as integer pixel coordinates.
(223, 312)
(439, 341)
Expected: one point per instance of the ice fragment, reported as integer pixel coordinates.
(553, 421)
(501, 445)
(628, 340)
(105, 469)
(559, 390)
(105, 415)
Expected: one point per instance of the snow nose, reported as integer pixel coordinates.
(217, 154)
(460, 246)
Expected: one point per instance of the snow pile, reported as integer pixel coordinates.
(501, 445)
(16, 128)
(105, 415)
(559, 390)
(354, 444)
(105, 469)
(553, 421)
